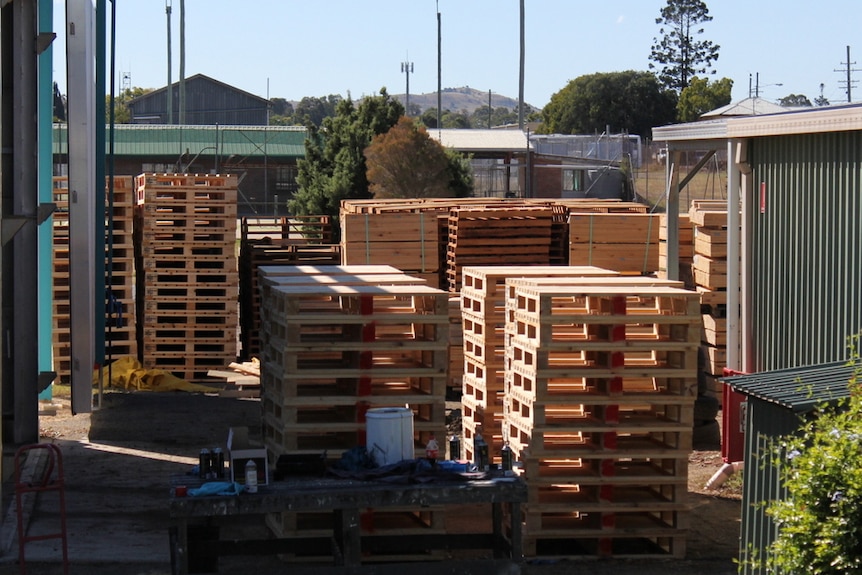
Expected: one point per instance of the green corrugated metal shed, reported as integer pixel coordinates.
(777, 403)
(798, 389)
(152, 140)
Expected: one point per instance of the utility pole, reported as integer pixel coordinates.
(170, 88)
(848, 69)
(182, 62)
(407, 68)
(439, 69)
(521, 76)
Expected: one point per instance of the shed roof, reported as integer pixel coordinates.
(747, 107)
(167, 139)
(199, 78)
(469, 140)
(800, 389)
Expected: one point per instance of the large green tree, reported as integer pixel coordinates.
(122, 114)
(406, 163)
(677, 54)
(700, 97)
(334, 166)
(628, 101)
(795, 101)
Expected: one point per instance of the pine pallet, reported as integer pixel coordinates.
(355, 347)
(600, 399)
(621, 242)
(483, 305)
(187, 228)
(475, 236)
(120, 327)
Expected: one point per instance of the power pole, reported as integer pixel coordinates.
(170, 89)
(439, 68)
(407, 68)
(182, 62)
(521, 76)
(848, 69)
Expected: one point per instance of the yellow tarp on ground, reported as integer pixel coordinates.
(128, 373)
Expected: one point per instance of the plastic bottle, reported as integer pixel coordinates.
(251, 476)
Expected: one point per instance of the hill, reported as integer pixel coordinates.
(461, 99)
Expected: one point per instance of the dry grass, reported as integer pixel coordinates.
(651, 185)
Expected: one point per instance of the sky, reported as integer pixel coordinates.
(295, 48)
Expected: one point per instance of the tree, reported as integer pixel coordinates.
(624, 101)
(679, 56)
(122, 114)
(406, 163)
(700, 97)
(312, 111)
(795, 100)
(59, 105)
(334, 167)
(820, 518)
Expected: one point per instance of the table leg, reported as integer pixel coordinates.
(181, 548)
(347, 536)
(515, 516)
(497, 522)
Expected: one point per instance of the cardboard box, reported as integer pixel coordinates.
(239, 451)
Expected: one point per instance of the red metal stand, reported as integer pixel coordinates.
(49, 478)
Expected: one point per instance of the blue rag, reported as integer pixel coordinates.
(217, 488)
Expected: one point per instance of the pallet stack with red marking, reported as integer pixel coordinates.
(120, 329)
(189, 315)
(483, 310)
(298, 240)
(600, 391)
(337, 344)
(710, 267)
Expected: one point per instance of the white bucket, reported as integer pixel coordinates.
(389, 434)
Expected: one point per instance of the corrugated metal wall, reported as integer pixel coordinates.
(806, 242)
(768, 422)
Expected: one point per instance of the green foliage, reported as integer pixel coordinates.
(628, 101)
(820, 520)
(313, 111)
(59, 105)
(677, 54)
(700, 97)
(334, 167)
(795, 100)
(122, 114)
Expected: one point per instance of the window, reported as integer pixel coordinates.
(573, 180)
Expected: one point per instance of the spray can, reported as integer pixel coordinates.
(480, 451)
(251, 476)
(506, 457)
(454, 448)
(204, 463)
(432, 451)
(218, 463)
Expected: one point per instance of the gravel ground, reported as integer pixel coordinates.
(118, 460)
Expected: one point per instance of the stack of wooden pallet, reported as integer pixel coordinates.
(625, 242)
(336, 342)
(298, 240)
(685, 253)
(600, 394)
(492, 235)
(120, 328)
(709, 219)
(483, 309)
(392, 235)
(188, 235)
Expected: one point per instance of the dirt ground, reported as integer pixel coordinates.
(119, 461)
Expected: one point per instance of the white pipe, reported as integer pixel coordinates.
(720, 476)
